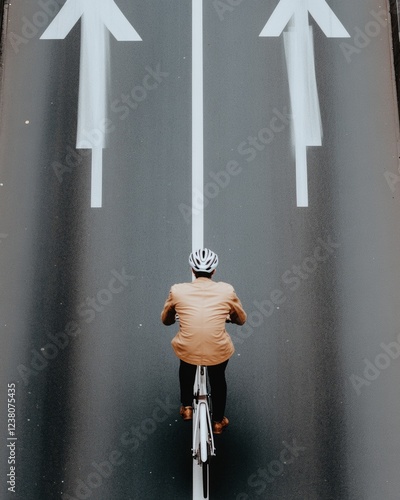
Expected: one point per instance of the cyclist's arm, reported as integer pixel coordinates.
(234, 316)
(168, 313)
(168, 317)
(237, 313)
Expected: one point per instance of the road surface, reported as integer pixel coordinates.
(313, 384)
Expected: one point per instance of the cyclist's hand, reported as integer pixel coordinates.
(228, 319)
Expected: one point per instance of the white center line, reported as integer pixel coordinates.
(197, 126)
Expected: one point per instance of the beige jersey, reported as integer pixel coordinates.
(203, 307)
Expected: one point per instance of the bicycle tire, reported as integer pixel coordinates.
(205, 473)
(203, 433)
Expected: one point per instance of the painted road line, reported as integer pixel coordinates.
(197, 126)
(99, 17)
(300, 60)
(97, 178)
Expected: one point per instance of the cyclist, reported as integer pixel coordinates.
(203, 307)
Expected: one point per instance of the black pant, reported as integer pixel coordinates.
(216, 375)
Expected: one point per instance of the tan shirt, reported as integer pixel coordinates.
(203, 307)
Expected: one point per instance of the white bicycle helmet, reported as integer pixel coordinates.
(203, 260)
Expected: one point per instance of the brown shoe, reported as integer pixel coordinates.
(218, 427)
(186, 412)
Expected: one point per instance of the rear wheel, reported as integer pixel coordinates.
(206, 472)
(203, 433)
(204, 448)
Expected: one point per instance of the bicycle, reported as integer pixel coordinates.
(203, 440)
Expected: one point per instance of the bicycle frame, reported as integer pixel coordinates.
(203, 439)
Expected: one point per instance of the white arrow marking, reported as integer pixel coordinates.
(97, 177)
(320, 11)
(197, 126)
(97, 15)
(299, 50)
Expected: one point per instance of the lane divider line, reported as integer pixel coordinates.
(197, 126)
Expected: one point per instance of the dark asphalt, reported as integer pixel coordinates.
(313, 385)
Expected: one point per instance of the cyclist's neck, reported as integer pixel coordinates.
(201, 274)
